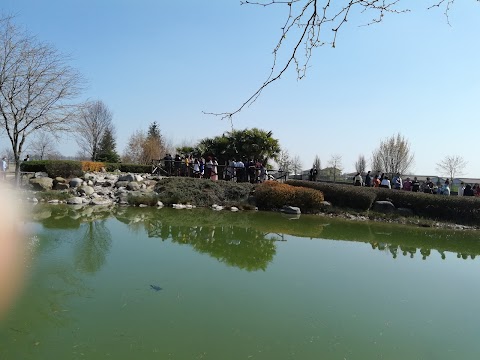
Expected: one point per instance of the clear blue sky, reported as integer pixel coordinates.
(167, 61)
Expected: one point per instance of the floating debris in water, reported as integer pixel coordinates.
(155, 287)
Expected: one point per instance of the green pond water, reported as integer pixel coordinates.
(138, 283)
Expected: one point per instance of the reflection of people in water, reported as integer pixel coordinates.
(393, 250)
(425, 253)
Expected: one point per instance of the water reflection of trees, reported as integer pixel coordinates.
(245, 248)
(93, 246)
(251, 230)
(411, 251)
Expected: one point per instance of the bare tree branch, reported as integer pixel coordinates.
(37, 87)
(308, 23)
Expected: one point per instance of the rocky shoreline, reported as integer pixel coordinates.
(142, 190)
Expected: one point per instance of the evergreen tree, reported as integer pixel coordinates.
(107, 148)
(154, 131)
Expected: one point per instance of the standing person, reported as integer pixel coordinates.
(214, 173)
(357, 180)
(376, 181)
(4, 168)
(240, 170)
(468, 191)
(415, 184)
(397, 182)
(407, 185)
(196, 168)
(385, 183)
(368, 179)
(208, 168)
(446, 188)
(27, 158)
(313, 173)
(461, 188)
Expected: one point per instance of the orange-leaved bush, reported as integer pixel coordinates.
(94, 166)
(274, 195)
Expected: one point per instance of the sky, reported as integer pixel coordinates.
(414, 73)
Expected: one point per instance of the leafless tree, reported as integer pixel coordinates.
(42, 146)
(134, 151)
(451, 166)
(37, 87)
(317, 163)
(393, 155)
(336, 163)
(297, 164)
(310, 24)
(361, 164)
(93, 120)
(284, 162)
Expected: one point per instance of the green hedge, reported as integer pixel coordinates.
(346, 196)
(54, 168)
(462, 210)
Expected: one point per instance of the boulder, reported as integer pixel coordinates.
(41, 183)
(138, 178)
(60, 179)
(291, 210)
(133, 186)
(87, 190)
(383, 207)
(75, 182)
(127, 177)
(90, 176)
(121, 183)
(60, 186)
(41, 174)
(75, 201)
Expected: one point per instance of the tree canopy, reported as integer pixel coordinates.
(248, 144)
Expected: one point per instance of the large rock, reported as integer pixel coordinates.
(383, 207)
(60, 186)
(87, 190)
(40, 174)
(121, 183)
(42, 183)
(291, 210)
(75, 182)
(127, 177)
(138, 178)
(133, 186)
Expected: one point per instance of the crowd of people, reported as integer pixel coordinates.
(427, 186)
(253, 171)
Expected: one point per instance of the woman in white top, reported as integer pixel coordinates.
(385, 183)
(214, 175)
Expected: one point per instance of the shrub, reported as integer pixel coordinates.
(64, 168)
(202, 192)
(54, 168)
(463, 209)
(92, 166)
(273, 195)
(346, 196)
(111, 167)
(34, 166)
